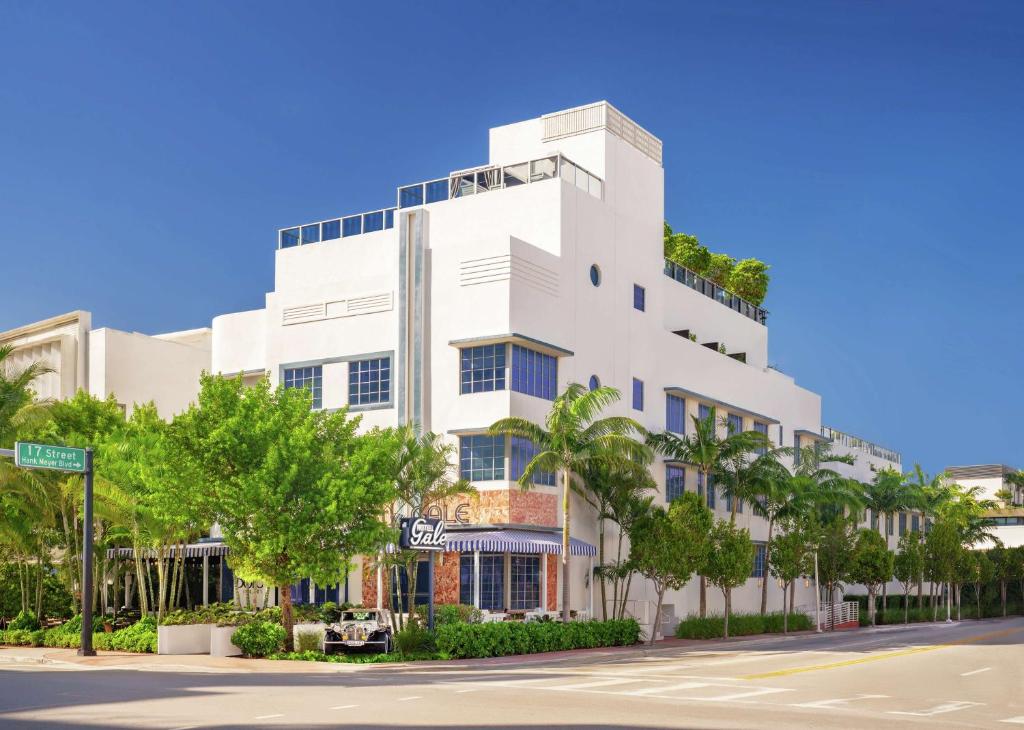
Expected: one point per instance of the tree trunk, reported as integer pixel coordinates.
(703, 597)
(906, 607)
(600, 561)
(785, 611)
(566, 496)
(728, 603)
(1002, 595)
(413, 576)
(657, 615)
(792, 594)
(767, 562)
(287, 620)
(977, 597)
(871, 606)
(920, 594)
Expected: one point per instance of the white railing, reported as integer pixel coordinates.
(839, 613)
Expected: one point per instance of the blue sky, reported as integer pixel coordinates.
(871, 152)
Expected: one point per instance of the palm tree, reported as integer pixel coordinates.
(887, 495)
(1015, 482)
(709, 453)
(18, 407)
(573, 437)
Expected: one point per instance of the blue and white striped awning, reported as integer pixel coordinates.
(514, 541)
(195, 550)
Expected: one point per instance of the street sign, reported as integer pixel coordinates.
(421, 533)
(45, 456)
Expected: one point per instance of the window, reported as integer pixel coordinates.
(796, 450)
(389, 218)
(888, 524)
(735, 423)
(638, 394)
(516, 174)
(903, 523)
(482, 368)
(522, 453)
(595, 275)
(311, 234)
(410, 196)
(760, 550)
(639, 298)
(675, 414)
(524, 575)
(466, 579)
(728, 504)
(915, 523)
(543, 169)
(289, 238)
(710, 491)
(703, 412)
(595, 382)
(437, 190)
(482, 458)
(308, 377)
(373, 222)
(534, 373)
(369, 381)
(762, 428)
(675, 481)
(331, 230)
(351, 226)
(492, 582)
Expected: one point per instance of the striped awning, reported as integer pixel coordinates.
(514, 541)
(195, 550)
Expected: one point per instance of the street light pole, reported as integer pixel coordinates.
(817, 597)
(86, 643)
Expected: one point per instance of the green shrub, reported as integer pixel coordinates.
(140, 637)
(330, 612)
(463, 641)
(307, 641)
(25, 621)
(740, 624)
(316, 656)
(413, 639)
(259, 638)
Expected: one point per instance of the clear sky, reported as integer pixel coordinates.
(870, 151)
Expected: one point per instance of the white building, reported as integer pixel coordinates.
(991, 480)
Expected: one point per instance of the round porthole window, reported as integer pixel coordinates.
(595, 275)
(595, 382)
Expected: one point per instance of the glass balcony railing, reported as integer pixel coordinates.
(853, 442)
(713, 291)
(460, 184)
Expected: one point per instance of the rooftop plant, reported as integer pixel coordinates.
(748, 277)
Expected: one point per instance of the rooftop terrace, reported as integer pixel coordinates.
(854, 442)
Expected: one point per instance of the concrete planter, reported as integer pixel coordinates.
(186, 639)
(314, 628)
(220, 641)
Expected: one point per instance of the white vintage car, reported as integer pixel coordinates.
(361, 629)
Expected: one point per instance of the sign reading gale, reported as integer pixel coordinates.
(43, 456)
(422, 533)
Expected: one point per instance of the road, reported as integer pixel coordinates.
(964, 675)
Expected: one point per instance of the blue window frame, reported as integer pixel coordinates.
(595, 382)
(703, 411)
(369, 381)
(331, 230)
(797, 456)
(482, 458)
(524, 581)
(760, 550)
(492, 581)
(675, 481)
(903, 523)
(437, 190)
(639, 298)
(709, 491)
(373, 222)
(308, 377)
(522, 453)
(735, 424)
(915, 523)
(422, 587)
(351, 226)
(289, 237)
(534, 373)
(762, 428)
(311, 233)
(466, 579)
(410, 196)
(675, 414)
(482, 368)
(389, 218)
(638, 394)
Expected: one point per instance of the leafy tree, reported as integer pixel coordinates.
(749, 279)
(720, 269)
(983, 571)
(1015, 481)
(791, 556)
(835, 553)
(942, 551)
(668, 547)
(18, 406)
(871, 565)
(730, 560)
(1002, 571)
(687, 251)
(295, 491)
(908, 567)
(573, 438)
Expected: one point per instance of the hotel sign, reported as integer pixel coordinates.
(43, 456)
(421, 533)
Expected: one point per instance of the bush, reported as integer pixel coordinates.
(413, 639)
(740, 624)
(330, 613)
(464, 641)
(259, 638)
(22, 637)
(307, 641)
(316, 656)
(24, 621)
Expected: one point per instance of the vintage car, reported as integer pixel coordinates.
(361, 629)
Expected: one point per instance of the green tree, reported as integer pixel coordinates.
(871, 565)
(18, 406)
(791, 556)
(668, 547)
(572, 438)
(729, 563)
(982, 573)
(942, 550)
(835, 553)
(749, 279)
(295, 491)
(908, 567)
(687, 251)
(720, 269)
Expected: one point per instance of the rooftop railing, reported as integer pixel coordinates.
(459, 184)
(713, 291)
(854, 442)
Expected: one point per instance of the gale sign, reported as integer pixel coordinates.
(43, 456)
(421, 533)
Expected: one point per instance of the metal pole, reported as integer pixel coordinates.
(817, 596)
(430, 588)
(86, 643)
(949, 596)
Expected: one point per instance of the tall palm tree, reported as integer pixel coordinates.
(1015, 481)
(573, 437)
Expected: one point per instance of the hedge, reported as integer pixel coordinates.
(139, 638)
(740, 624)
(465, 641)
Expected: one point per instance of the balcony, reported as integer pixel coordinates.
(713, 291)
(853, 442)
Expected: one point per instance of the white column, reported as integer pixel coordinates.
(206, 580)
(380, 586)
(476, 578)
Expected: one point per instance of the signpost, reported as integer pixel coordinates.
(76, 461)
(426, 534)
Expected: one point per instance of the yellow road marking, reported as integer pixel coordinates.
(889, 655)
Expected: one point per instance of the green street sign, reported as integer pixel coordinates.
(44, 456)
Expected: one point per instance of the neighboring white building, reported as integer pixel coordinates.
(1008, 520)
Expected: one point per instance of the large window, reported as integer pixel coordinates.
(482, 368)
(708, 489)
(534, 373)
(522, 453)
(675, 414)
(492, 582)
(735, 423)
(638, 394)
(309, 377)
(675, 481)
(760, 550)
(369, 381)
(466, 579)
(482, 458)
(703, 411)
(524, 581)
(915, 523)
(903, 523)
(762, 428)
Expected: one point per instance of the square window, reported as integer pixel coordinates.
(289, 238)
(482, 368)
(311, 234)
(482, 458)
(307, 377)
(373, 222)
(369, 382)
(534, 373)
(331, 230)
(351, 226)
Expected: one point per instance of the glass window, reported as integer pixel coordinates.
(308, 377)
(675, 414)
(482, 368)
(522, 453)
(675, 481)
(410, 196)
(903, 523)
(534, 373)
(466, 579)
(760, 550)
(482, 458)
(311, 233)
(638, 394)
(389, 218)
(762, 428)
(373, 221)
(639, 298)
(437, 190)
(703, 411)
(331, 230)
(543, 169)
(289, 237)
(888, 524)
(797, 455)
(710, 490)
(595, 275)
(915, 523)
(351, 226)
(369, 381)
(516, 174)
(524, 581)
(595, 382)
(735, 423)
(492, 581)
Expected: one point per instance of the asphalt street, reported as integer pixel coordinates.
(965, 675)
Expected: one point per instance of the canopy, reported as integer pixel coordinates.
(514, 541)
(195, 550)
